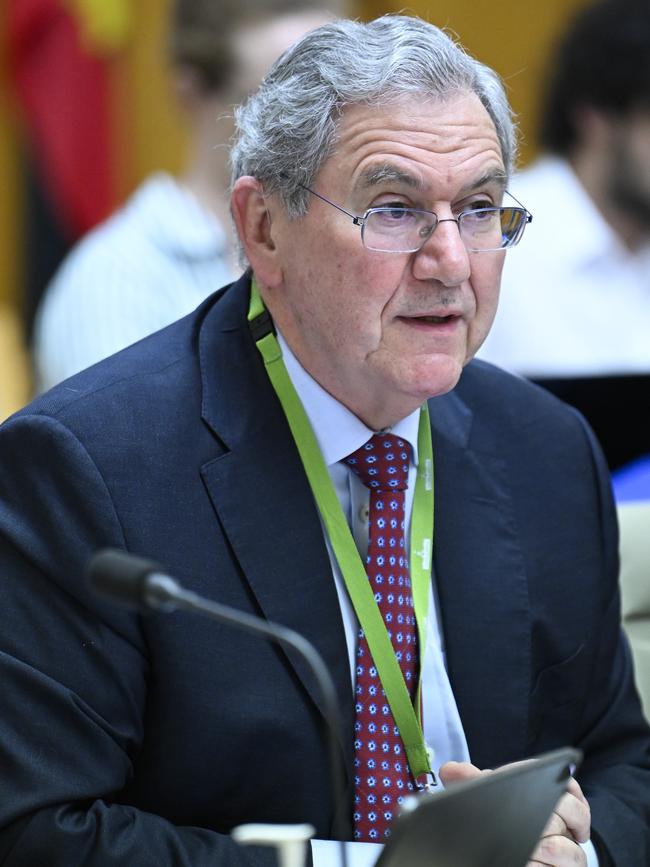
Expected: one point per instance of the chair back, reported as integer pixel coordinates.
(634, 521)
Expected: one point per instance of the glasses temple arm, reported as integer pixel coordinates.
(529, 216)
(358, 221)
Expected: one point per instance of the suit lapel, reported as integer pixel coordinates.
(262, 497)
(481, 580)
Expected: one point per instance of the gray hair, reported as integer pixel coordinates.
(287, 129)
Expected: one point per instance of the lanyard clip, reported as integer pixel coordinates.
(427, 783)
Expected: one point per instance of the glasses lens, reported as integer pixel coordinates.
(397, 230)
(492, 228)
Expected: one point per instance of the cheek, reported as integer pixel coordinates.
(358, 290)
(340, 290)
(331, 306)
(486, 278)
(486, 281)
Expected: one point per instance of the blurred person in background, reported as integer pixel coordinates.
(171, 244)
(574, 313)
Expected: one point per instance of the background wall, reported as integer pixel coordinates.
(10, 202)
(513, 36)
(14, 374)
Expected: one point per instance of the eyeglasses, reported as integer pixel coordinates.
(406, 230)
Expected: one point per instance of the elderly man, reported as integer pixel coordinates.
(294, 428)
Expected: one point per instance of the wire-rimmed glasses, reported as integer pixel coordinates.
(392, 229)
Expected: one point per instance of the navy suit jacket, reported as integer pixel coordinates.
(128, 740)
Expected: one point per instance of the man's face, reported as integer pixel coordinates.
(382, 332)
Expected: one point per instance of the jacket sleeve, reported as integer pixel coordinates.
(73, 675)
(615, 775)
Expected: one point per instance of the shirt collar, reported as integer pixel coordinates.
(337, 430)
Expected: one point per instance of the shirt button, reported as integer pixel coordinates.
(364, 514)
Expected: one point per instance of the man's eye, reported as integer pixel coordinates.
(394, 210)
(475, 206)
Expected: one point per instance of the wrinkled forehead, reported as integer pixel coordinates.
(408, 137)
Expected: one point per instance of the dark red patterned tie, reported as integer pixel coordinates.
(382, 775)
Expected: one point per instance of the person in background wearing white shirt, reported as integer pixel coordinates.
(574, 312)
(171, 244)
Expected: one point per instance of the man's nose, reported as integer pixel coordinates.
(444, 256)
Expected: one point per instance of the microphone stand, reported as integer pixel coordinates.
(138, 583)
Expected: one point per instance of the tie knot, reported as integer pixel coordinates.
(382, 463)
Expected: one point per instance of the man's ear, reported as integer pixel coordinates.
(253, 223)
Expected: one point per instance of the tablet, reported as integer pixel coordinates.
(495, 820)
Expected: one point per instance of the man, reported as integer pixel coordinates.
(170, 246)
(237, 446)
(574, 313)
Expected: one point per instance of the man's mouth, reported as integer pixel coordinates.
(438, 320)
(433, 320)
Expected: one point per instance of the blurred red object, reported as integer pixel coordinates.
(63, 87)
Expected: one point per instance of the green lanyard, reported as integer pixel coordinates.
(345, 549)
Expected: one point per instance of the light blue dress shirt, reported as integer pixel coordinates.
(339, 433)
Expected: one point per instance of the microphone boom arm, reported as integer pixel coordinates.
(140, 584)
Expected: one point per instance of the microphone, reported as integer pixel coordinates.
(142, 585)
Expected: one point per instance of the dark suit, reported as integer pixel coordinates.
(131, 741)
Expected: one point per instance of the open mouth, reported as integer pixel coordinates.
(438, 320)
(433, 320)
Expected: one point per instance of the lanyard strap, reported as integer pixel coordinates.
(345, 549)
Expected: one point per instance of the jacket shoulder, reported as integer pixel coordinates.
(508, 398)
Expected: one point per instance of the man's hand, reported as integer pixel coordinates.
(569, 824)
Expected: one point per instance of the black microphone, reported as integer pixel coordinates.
(136, 583)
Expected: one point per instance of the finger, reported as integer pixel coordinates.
(556, 826)
(559, 852)
(575, 813)
(574, 788)
(455, 772)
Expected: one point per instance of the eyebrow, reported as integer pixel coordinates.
(493, 176)
(387, 173)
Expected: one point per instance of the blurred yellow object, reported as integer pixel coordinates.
(105, 24)
(15, 368)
